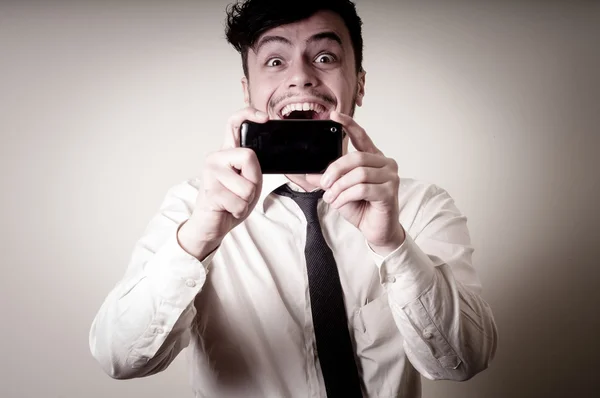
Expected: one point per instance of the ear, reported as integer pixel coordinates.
(360, 87)
(246, 90)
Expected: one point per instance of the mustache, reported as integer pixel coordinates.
(323, 97)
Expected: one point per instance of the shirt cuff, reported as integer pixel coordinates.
(175, 274)
(407, 272)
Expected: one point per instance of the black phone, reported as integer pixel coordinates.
(293, 146)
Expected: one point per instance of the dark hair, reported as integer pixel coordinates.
(247, 20)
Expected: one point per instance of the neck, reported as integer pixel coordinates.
(301, 181)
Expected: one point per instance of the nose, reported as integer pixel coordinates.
(301, 75)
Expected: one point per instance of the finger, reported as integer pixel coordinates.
(349, 162)
(222, 199)
(366, 192)
(232, 181)
(359, 175)
(358, 136)
(232, 129)
(242, 160)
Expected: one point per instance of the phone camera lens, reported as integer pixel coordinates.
(334, 129)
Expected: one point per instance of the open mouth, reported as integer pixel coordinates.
(303, 111)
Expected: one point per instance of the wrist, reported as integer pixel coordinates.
(394, 242)
(194, 242)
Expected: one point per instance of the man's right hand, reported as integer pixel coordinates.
(232, 183)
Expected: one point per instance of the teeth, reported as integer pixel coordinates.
(306, 106)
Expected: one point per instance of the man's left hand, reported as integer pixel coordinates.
(363, 187)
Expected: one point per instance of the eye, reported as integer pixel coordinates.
(325, 59)
(274, 62)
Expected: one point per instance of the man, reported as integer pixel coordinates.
(359, 296)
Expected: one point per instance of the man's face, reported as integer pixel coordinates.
(304, 70)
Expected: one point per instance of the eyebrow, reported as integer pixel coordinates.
(271, 39)
(325, 36)
(329, 35)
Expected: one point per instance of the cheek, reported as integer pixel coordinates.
(345, 90)
(261, 91)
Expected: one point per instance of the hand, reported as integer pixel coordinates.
(363, 187)
(232, 183)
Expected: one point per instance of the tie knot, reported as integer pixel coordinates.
(307, 201)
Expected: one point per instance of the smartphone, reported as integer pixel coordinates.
(293, 146)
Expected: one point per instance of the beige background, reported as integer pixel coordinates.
(104, 105)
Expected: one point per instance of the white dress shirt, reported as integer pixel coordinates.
(244, 313)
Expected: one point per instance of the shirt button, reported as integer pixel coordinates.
(160, 331)
(427, 334)
(190, 283)
(390, 279)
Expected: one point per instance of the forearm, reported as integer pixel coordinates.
(434, 292)
(126, 338)
(448, 329)
(144, 322)
(449, 333)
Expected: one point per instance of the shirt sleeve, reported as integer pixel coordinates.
(435, 295)
(144, 321)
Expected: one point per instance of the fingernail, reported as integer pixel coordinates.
(325, 181)
(327, 196)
